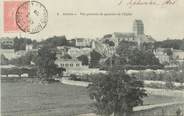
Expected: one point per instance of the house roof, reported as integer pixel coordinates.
(120, 35)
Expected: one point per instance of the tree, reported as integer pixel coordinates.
(107, 36)
(110, 43)
(131, 55)
(5, 71)
(170, 43)
(178, 112)
(180, 77)
(32, 72)
(125, 47)
(16, 61)
(74, 77)
(67, 56)
(45, 63)
(114, 61)
(55, 41)
(35, 44)
(24, 60)
(95, 58)
(16, 70)
(4, 60)
(169, 81)
(84, 59)
(136, 57)
(169, 52)
(116, 93)
(20, 43)
(139, 57)
(150, 59)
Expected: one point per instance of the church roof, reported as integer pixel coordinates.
(120, 35)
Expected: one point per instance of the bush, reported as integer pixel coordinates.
(86, 78)
(4, 71)
(51, 81)
(169, 85)
(74, 77)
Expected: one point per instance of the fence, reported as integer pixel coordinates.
(160, 110)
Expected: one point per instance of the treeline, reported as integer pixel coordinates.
(58, 41)
(20, 43)
(55, 41)
(175, 44)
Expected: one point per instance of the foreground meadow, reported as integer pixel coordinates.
(34, 99)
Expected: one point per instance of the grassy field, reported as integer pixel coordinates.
(22, 98)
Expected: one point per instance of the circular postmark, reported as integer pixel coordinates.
(31, 17)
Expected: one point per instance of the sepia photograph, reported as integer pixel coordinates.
(92, 57)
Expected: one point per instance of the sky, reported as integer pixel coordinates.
(160, 21)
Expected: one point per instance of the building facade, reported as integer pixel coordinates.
(29, 47)
(76, 52)
(73, 66)
(161, 55)
(104, 49)
(82, 42)
(6, 43)
(69, 63)
(61, 51)
(178, 55)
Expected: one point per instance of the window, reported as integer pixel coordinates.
(77, 65)
(71, 65)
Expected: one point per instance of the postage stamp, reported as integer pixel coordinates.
(27, 16)
(10, 8)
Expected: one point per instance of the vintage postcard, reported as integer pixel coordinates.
(92, 57)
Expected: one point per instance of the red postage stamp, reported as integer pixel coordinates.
(10, 8)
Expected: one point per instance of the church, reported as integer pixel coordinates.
(137, 35)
